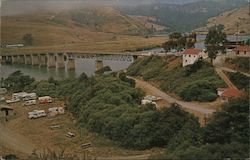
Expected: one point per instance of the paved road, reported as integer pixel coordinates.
(168, 98)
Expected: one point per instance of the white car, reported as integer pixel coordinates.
(37, 114)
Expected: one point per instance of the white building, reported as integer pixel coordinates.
(191, 55)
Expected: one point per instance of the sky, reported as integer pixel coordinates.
(10, 7)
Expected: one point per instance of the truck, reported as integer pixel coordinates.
(45, 99)
(37, 114)
(30, 102)
(29, 96)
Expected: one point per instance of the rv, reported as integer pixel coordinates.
(18, 95)
(37, 114)
(29, 96)
(12, 101)
(45, 99)
(30, 102)
(55, 111)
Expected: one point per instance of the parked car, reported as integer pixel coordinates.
(45, 99)
(37, 114)
(30, 102)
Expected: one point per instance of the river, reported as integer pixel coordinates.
(42, 73)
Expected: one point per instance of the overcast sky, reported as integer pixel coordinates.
(9, 7)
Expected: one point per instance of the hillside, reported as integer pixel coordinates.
(183, 17)
(86, 27)
(231, 18)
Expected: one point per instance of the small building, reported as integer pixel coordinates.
(6, 111)
(220, 91)
(242, 51)
(191, 55)
(231, 93)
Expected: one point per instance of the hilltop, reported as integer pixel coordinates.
(231, 18)
(93, 28)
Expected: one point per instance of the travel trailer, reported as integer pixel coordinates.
(45, 99)
(30, 102)
(37, 114)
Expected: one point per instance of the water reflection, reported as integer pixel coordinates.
(41, 73)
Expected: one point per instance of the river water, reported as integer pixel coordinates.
(42, 73)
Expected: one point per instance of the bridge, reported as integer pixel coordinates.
(57, 60)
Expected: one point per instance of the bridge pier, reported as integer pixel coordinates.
(34, 59)
(28, 59)
(43, 60)
(51, 60)
(3, 59)
(14, 59)
(60, 60)
(21, 59)
(98, 64)
(70, 64)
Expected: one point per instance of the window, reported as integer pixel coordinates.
(186, 61)
(189, 55)
(245, 52)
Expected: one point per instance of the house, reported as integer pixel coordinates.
(191, 55)
(229, 93)
(242, 51)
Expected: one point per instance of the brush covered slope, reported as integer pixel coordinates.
(193, 83)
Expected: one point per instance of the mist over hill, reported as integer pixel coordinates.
(183, 17)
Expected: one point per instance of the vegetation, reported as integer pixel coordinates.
(28, 39)
(103, 70)
(241, 63)
(179, 41)
(197, 82)
(215, 42)
(16, 81)
(225, 136)
(109, 105)
(240, 80)
(183, 17)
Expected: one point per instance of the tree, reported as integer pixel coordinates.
(28, 39)
(215, 42)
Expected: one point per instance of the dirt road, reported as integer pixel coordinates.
(15, 141)
(225, 78)
(157, 92)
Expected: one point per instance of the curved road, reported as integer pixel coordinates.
(157, 92)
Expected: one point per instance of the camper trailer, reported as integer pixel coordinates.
(55, 111)
(30, 102)
(37, 114)
(45, 99)
(18, 95)
(29, 96)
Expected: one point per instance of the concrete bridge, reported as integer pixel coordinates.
(59, 60)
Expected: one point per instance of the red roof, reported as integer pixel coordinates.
(242, 48)
(232, 93)
(194, 51)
